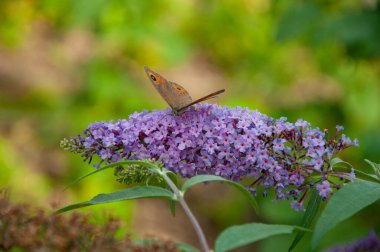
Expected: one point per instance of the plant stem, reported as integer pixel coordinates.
(190, 215)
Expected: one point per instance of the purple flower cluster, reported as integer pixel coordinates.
(369, 243)
(235, 143)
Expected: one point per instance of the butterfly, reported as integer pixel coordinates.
(174, 94)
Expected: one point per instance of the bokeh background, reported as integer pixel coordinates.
(65, 64)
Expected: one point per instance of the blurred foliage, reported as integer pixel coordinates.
(27, 229)
(65, 64)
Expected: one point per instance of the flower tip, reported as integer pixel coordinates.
(355, 142)
(297, 206)
(339, 128)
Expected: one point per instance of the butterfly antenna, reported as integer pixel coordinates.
(212, 95)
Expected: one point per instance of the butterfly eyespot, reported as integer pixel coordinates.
(153, 78)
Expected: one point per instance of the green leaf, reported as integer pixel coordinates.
(308, 217)
(375, 167)
(365, 176)
(113, 165)
(137, 192)
(183, 247)
(172, 206)
(337, 160)
(345, 203)
(358, 174)
(237, 236)
(209, 178)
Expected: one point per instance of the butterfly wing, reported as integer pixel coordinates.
(174, 94)
(204, 98)
(180, 97)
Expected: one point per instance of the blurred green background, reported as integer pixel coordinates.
(65, 64)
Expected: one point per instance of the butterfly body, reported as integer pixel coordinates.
(174, 94)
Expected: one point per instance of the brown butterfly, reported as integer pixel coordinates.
(174, 94)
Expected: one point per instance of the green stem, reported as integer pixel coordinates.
(173, 187)
(190, 215)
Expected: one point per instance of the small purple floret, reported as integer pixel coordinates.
(297, 206)
(324, 189)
